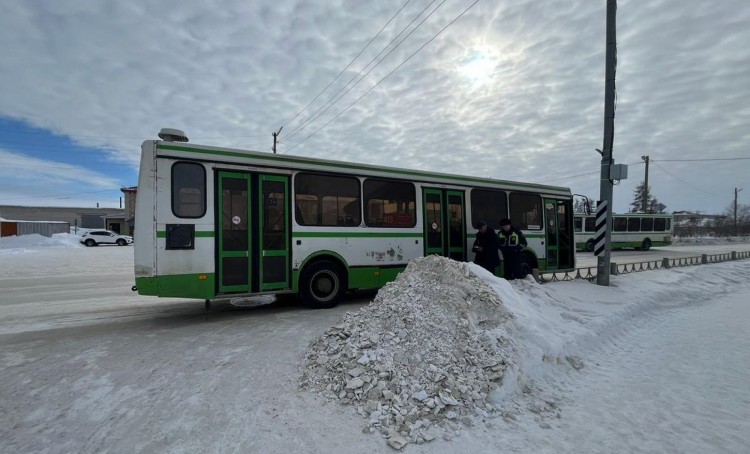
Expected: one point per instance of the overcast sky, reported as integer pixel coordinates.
(511, 90)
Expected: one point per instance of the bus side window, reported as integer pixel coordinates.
(188, 190)
(298, 214)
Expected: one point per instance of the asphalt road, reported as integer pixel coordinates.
(64, 288)
(88, 365)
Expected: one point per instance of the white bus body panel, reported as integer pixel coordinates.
(144, 231)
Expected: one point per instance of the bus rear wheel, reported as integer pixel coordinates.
(322, 284)
(590, 246)
(646, 245)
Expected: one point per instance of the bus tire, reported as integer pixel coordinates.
(322, 284)
(646, 245)
(590, 246)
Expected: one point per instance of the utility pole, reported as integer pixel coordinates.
(736, 190)
(605, 183)
(645, 187)
(275, 135)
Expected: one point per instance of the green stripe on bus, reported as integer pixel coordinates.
(199, 286)
(349, 166)
(356, 235)
(198, 234)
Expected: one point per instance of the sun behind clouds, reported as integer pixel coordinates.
(478, 66)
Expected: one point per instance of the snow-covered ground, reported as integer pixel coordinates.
(657, 362)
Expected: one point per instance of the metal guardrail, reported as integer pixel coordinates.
(589, 273)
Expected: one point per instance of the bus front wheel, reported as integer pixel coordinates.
(646, 245)
(322, 284)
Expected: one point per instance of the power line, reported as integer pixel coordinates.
(683, 181)
(333, 100)
(389, 74)
(349, 64)
(573, 176)
(585, 174)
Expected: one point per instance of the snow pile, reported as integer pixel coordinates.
(709, 240)
(423, 358)
(16, 244)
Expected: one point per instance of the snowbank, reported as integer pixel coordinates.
(29, 243)
(709, 240)
(448, 345)
(438, 349)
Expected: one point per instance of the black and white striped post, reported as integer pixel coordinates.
(600, 240)
(605, 183)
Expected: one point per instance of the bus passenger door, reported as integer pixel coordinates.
(234, 243)
(444, 223)
(566, 243)
(253, 232)
(274, 230)
(551, 232)
(560, 247)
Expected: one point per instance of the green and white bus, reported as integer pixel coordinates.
(215, 223)
(632, 230)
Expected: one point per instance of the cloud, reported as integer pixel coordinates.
(111, 74)
(25, 179)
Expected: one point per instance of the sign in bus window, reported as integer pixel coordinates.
(434, 227)
(234, 214)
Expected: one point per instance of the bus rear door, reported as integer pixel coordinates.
(253, 249)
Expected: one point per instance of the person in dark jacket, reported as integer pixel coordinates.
(485, 247)
(512, 242)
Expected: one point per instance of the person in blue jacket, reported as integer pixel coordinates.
(512, 242)
(485, 247)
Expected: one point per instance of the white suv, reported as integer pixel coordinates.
(97, 237)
